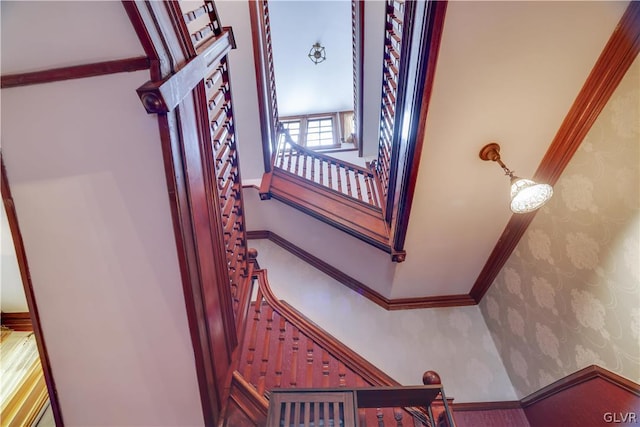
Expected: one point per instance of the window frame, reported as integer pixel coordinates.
(304, 129)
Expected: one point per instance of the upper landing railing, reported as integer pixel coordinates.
(346, 178)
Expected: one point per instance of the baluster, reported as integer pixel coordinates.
(289, 160)
(329, 167)
(309, 376)
(380, 417)
(304, 166)
(325, 368)
(397, 415)
(321, 169)
(313, 169)
(265, 352)
(348, 171)
(254, 338)
(358, 189)
(279, 357)
(342, 372)
(293, 381)
(281, 154)
(297, 162)
(339, 170)
(368, 183)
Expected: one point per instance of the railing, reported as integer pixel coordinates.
(344, 177)
(393, 36)
(283, 350)
(339, 407)
(202, 22)
(265, 77)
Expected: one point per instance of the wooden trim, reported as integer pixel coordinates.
(144, 37)
(585, 374)
(23, 265)
(17, 321)
(613, 63)
(74, 72)
(247, 398)
(359, 287)
(261, 51)
(358, 65)
(427, 62)
(486, 406)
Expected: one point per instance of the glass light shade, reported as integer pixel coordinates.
(527, 195)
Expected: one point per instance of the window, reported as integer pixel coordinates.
(315, 132)
(320, 132)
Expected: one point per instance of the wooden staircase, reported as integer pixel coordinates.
(283, 350)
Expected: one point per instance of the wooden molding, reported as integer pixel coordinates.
(613, 63)
(17, 321)
(585, 374)
(418, 106)
(23, 265)
(359, 287)
(74, 72)
(487, 406)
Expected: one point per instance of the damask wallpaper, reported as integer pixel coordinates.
(569, 295)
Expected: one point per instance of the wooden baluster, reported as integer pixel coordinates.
(339, 170)
(326, 413)
(397, 415)
(316, 414)
(280, 355)
(309, 374)
(321, 174)
(307, 413)
(325, 368)
(368, 183)
(358, 189)
(289, 160)
(348, 171)
(265, 352)
(297, 162)
(281, 155)
(342, 372)
(254, 338)
(293, 381)
(296, 414)
(304, 166)
(313, 169)
(287, 414)
(380, 417)
(329, 167)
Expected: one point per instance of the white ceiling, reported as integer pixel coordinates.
(302, 86)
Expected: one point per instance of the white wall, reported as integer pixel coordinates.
(12, 299)
(85, 167)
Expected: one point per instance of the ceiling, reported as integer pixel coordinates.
(304, 87)
(507, 72)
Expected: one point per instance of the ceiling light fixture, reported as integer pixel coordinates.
(526, 195)
(317, 54)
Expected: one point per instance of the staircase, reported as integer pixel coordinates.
(283, 350)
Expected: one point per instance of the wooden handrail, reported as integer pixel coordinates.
(283, 349)
(347, 179)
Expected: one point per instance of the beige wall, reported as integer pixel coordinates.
(86, 171)
(569, 295)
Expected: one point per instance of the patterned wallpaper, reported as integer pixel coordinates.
(569, 295)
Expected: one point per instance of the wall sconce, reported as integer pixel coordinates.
(317, 54)
(526, 195)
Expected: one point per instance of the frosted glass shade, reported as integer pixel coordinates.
(527, 195)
